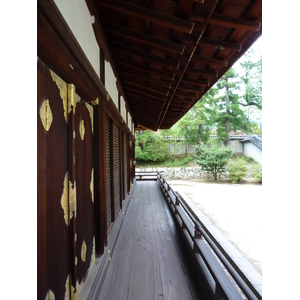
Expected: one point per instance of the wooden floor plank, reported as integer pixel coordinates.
(145, 263)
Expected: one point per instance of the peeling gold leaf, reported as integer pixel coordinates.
(75, 292)
(67, 287)
(92, 185)
(50, 295)
(91, 111)
(72, 200)
(46, 115)
(73, 98)
(83, 251)
(65, 199)
(95, 102)
(82, 129)
(63, 92)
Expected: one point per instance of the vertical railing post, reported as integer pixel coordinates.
(197, 233)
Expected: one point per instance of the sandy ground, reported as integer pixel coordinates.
(235, 209)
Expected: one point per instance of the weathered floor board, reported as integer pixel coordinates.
(145, 263)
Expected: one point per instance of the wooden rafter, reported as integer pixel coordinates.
(143, 67)
(145, 55)
(144, 38)
(227, 21)
(149, 15)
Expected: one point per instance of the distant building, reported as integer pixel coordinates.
(252, 147)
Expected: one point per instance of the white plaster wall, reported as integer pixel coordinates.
(252, 151)
(238, 147)
(110, 83)
(123, 108)
(78, 17)
(129, 122)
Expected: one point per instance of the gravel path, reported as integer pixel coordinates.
(235, 209)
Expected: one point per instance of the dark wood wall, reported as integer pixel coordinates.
(83, 175)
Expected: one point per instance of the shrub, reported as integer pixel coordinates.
(256, 170)
(212, 159)
(237, 170)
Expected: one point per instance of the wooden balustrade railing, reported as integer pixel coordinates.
(212, 260)
(146, 175)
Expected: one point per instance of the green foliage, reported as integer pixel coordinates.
(252, 80)
(256, 170)
(196, 124)
(237, 170)
(151, 147)
(229, 115)
(178, 162)
(253, 129)
(213, 159)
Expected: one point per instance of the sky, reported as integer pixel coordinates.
(255, 114)
(257, 47)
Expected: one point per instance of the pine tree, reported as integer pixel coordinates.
(230, 115)
(252, 81)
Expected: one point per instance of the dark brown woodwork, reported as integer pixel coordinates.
(196, 71)
(53, 232)
(127, 73)
(144, 55)
(59, 49)
(145, 97)
(148, 15)
(217, 43)
(144, 68)
(41, 186)
(198, 59)
(84, 216)
(144, 38)
(145, 93)
(140, 84)
(194, 81)
(99, 183)
(141, 34)
(108, 172)
(116, 169)
(227, 21)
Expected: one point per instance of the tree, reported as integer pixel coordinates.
(151, 147)
(213, 159)
(252, 81)
(230, 115)
(237, 170)
(196, 124)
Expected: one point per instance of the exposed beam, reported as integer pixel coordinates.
(196, 71)
(192, 90)
(216, 43)
(145, 55)
(209, 60)
(149, 15)
(144, 38)
(143, 68)
(128, 82)
(145, 93)
(133, 96)
(230, 22)
(226, 21)
(146, 78)
(195, 81)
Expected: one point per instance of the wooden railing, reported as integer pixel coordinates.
(210, 258)
(146, 175)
